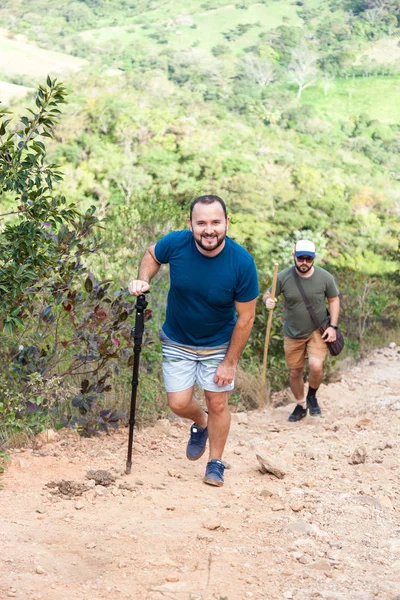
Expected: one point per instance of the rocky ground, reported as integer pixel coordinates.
(329, 528)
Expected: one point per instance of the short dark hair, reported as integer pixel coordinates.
(208, 200)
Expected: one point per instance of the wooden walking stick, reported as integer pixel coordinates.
(267, 334)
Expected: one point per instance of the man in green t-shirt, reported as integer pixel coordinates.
(301, 339)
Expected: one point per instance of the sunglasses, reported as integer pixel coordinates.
(307, 259)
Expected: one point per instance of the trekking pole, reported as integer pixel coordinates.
(267, 334)
(140, 305)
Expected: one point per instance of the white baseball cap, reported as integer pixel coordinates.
(304, 248)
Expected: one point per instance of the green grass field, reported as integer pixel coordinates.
(378, 97)
(203, 28)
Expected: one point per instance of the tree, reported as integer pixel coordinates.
(302, 70)
(58, 320)
(259, 70)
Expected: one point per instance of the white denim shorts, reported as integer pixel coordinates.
(183, 366)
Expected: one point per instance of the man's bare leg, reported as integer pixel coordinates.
(185, 405)
(297, 385)
(316, 366)
(219, 420)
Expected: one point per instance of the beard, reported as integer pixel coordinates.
(209, 243)
(304, 267)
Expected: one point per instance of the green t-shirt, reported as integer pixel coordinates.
(298, 323)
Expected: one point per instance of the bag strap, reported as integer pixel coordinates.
(306, 300)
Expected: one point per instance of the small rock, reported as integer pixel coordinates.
(170, 508)
(79, 505)
(173, 473)
(364, 423)
(321, 565)
(90, 545)
(39, 570)
(121, 565)
(211, 525)
(297, 506)
(277, 506)
(309, 483)
(126, 486)
(172, 579)
(358, 457)
(266, 493)
(392, 345)
(302, 528)
(41, 510)
(266, 466)
(205, 537)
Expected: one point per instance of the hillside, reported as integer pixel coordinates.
(288, 110)
(328, 529)
(158, 76)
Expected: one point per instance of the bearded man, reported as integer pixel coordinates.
(301, 339)
(210, 313)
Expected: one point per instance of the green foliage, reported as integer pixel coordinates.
(68, 323)
(209, 111)
(27, 247)
(368, 305)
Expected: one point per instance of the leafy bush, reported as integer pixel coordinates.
(68, 324)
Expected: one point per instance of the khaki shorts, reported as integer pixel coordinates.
(296, 351)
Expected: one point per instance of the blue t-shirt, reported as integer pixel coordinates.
(201, 299)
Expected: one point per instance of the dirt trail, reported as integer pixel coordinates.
(329, 529)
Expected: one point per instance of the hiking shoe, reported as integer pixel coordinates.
(298, 413)
(197, 442)
(215, 472)
(313, 407)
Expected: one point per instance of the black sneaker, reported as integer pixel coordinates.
(298, 413)
(312, 405)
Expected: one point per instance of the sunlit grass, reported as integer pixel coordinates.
(378, 97)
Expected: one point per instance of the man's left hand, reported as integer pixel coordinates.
(329, 335)
(225, 374)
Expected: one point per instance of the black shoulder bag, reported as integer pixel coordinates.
(334, 348)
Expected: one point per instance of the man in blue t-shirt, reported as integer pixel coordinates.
(210, 314)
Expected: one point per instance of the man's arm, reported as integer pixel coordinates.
(226, 370)
(334, 309)
(148, 268)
